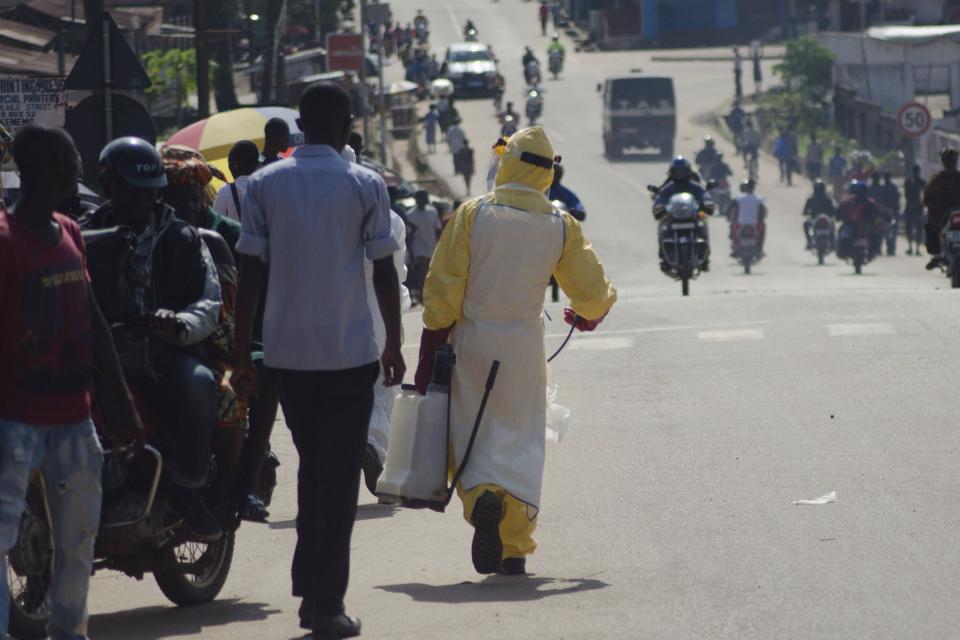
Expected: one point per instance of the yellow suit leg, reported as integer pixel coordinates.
(516, 525)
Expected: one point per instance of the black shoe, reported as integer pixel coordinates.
(487, 548)
(372, 468)
(934, 263)
(513, 567)
(252, 509)
(336, 627)
(196, 515)
(705, 267)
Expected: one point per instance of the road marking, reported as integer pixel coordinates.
(861, 329)
(729, 335)
(601, 344)
(603, 332)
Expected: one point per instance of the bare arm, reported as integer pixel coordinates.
(388, 298)
(120, 414)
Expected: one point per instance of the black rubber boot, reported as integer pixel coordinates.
(487, 548)
(513, 567)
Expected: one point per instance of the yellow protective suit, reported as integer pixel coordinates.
(488, 277)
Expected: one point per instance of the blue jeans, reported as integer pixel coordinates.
(70, 459)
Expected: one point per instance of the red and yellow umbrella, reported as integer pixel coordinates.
(214, 136)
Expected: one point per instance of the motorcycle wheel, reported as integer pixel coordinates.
(821, 254)
(31, 595)
(746, 265)
(685, 260)
(857, 265)
(185, 589)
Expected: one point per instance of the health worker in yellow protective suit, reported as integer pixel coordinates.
(486, 286)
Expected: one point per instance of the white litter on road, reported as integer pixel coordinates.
(861, 329)
(824, 499)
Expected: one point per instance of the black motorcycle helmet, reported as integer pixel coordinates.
(680, 169)
(819, 188)
(133, 162)
(747, 186)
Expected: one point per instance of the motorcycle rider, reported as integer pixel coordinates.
(508, 111)
(559, 192)
(941, 194)
(682, 179)
(748, 210)
(858, 212)
(707, 156)
(531, 66)
(469, 29)
(555, 48)
(174, 283)
(819, 202)
(510, 125)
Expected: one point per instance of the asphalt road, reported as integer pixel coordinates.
(668, 509)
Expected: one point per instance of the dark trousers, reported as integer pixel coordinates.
(328, 413)
(738, 84)
(187, 390)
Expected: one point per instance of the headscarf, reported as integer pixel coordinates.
(202, 172)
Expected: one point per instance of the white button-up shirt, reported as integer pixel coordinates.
(313, 217)
(224, 203)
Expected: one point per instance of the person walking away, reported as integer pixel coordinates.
(455, 139)
(466, 164)
(837, 171)
(814, 158)
(890, 198)
(941, 194)
(52, 339)
(756, 54)
(430, 122)
(737, 73)
(426, 223)
(748, 210)
(310, 216)
(276, 140)
(784, 156)
(243, 160)
(816, 204)
(736, 120)
(544, 13)
(485, 287)
(751, 149)
(913, 209)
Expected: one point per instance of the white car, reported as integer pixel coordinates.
(471, 67)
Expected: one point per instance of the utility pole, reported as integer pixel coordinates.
(316, 21)
(363, 70)
(202, 48)
(383, 97)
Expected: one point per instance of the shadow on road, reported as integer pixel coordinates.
(495, 589)
(364, 512)
(171, 621)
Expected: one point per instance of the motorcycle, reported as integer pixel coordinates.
(534, 105)
(721, 196)
(531, 73)
(140, 530)
(422, 32)
(854, 245)
(683, 247)
(950, 252)
(580, 215)
(822, 241)
(747, 247)
(555, 62)
(470, 34)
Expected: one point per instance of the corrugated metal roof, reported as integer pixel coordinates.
(26, 34)
(22, 61)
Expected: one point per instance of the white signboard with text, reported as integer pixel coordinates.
(24, 100)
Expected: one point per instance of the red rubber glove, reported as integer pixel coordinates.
(581, 324)
(430, 339)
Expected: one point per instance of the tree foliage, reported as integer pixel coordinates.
(173, 71)
(807, 67)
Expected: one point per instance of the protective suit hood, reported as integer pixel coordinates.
(527, 160)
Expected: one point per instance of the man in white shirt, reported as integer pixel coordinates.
(748, 211)
(314, 217)
(427, 227)
(243, 160)
(456, 139)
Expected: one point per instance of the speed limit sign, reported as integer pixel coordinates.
(914, 120)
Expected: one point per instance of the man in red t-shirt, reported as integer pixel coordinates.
(52, 338)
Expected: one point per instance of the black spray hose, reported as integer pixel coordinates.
(491, 379)
(569, 335)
